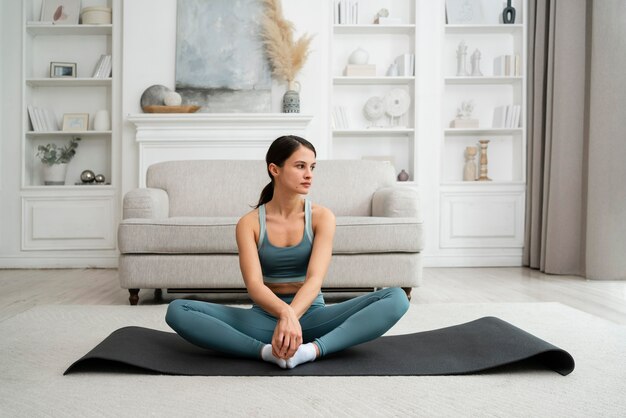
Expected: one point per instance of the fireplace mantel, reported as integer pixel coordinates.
(218, 136)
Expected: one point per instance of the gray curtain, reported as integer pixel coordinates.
(575, 206)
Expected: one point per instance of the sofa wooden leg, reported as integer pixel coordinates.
(158, 294)
(407, 290)
(134, 296)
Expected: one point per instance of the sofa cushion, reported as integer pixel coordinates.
(200, 235)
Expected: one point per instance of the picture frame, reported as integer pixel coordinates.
(60, 12)
(464, 12)
(63, 70)
(75, 122)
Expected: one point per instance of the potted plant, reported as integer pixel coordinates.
(55, 160)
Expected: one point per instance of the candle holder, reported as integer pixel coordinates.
(483, 160)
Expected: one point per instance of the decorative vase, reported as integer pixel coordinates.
(101, 121)
(359, 57)
(508, 14)
(54, 174)
(403, 176)
(291, 98)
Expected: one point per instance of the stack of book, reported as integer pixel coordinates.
(339, 118)
(507, 65)
(42, 120)
(406, 64)
(360, 70)
(346, 12)
(103, 67)
(507, 116)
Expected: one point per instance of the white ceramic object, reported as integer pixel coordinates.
(373, 110)
(392, 71)
(359, 57)
(95, 15)
(54, 175)
(172, 98)
(397, 102)
(102, 121)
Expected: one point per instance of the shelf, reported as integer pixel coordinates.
(36, 28)
(484, 80)
(374, 132)
(70, 187)
(67, 133)
(483, 131)
(484, 29)
(374, 29)
(68, 82)
(473, 186)
(356, 81)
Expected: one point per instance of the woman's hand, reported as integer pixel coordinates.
(287, 335)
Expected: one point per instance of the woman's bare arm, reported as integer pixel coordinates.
(324, 230)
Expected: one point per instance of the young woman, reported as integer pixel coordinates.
(285, 247)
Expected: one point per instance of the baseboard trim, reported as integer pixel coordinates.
(482, 260)
(59, 262)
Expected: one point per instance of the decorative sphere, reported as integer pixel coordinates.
(87, 176)
(154, 95)
(359, 57)
(172, 99)
(100, 178)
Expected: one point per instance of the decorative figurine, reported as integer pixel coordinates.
(508, 14)
(463, 116)
(469, 170)
(461, 53)
(100, 178)
(483, 160)
(476, 64)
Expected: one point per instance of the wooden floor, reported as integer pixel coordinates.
(23, 289)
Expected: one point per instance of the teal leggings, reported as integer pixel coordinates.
(243, 332)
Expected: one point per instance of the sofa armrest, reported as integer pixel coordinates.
(396, 202)
(146, 203)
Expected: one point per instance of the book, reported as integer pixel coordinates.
(405, 64)
(363, 70)
(33, 121)
(499, 117)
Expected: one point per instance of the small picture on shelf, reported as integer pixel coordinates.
(62, 69)
(73, 122)
(464, 12)
(60, 12)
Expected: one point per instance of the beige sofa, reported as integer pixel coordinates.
(178, 233)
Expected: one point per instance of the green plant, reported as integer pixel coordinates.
(52, 154)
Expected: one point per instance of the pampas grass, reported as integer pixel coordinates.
(286, 56)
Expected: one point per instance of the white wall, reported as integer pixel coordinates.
(10, 151)
(149, 48)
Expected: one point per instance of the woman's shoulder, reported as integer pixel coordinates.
(322, 213)
(250, 219)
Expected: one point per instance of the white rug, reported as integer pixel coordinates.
(38, 345)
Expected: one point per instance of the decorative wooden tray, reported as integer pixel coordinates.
(170, 109)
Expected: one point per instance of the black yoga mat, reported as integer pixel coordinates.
(473, 347)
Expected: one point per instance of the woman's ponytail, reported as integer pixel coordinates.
(266, 194)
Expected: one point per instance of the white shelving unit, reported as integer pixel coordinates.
(395, 141)
(72, 216)
(482, 223)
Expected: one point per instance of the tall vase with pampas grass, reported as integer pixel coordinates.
(286, 55)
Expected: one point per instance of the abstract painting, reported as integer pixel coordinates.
(220, 59)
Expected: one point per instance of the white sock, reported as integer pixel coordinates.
(305, 353)
(266, 354)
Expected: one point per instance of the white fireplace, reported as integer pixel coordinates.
(210, 136)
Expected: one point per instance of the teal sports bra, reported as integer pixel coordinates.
(285, 264)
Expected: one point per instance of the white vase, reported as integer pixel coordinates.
(359, 57)
(102, 121)
(54, 175)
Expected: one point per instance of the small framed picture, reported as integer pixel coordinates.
(60, 12)
(62, 69)
(73, 122)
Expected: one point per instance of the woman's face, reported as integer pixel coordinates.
(296, 174)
